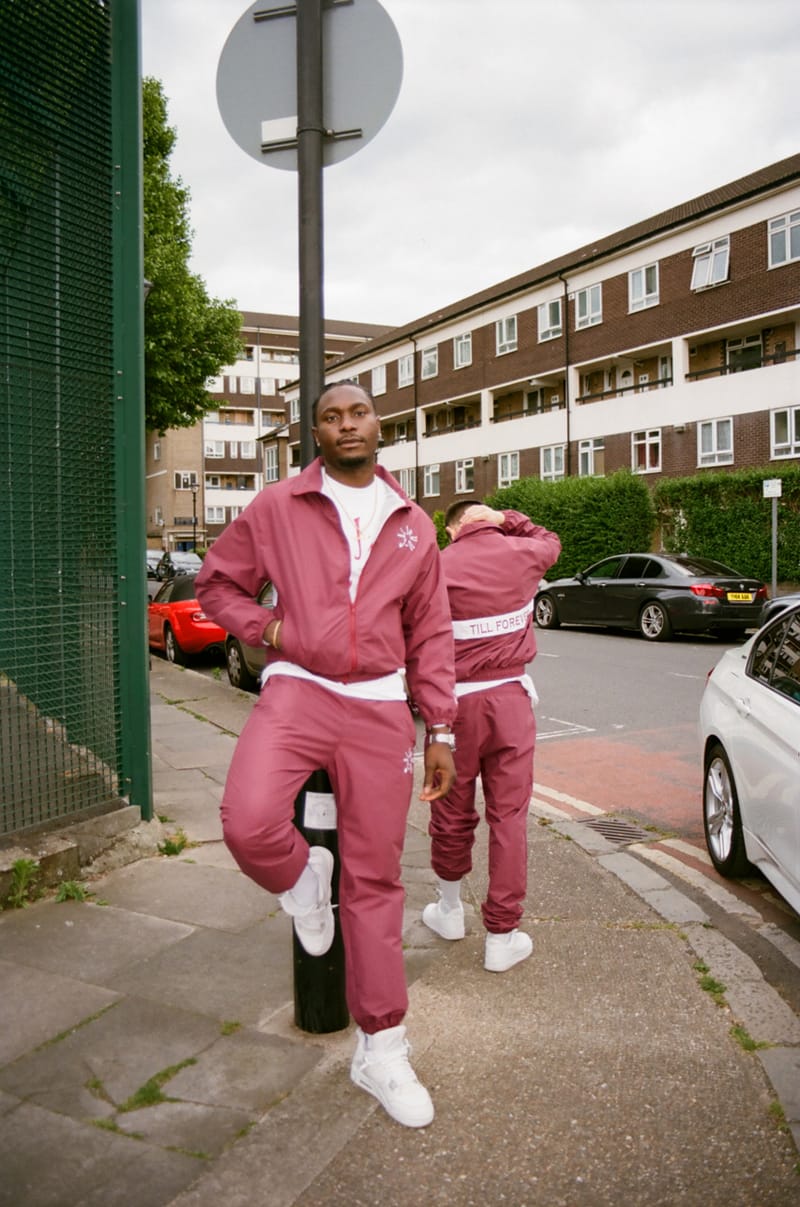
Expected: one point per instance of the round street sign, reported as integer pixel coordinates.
(257, 79)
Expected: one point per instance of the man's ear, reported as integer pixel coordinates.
(451, 531)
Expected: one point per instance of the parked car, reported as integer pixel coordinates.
(775, 605)
(656, 594)
(176, 623)
(750, 733)
(178, 562)
(246, 662)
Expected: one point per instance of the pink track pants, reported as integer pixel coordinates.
(495, 738)
(367, 749)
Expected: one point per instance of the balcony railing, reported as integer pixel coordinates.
(522, 414)
(453, 427)
(748, 361)
(638, 388)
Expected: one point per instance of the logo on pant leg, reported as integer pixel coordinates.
(408, 762)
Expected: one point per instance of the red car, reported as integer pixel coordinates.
(176, 623)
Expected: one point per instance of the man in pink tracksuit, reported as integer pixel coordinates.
(493, 567)
(360, 603)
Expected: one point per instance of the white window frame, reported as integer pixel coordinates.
(589, 306)
(248, 385)
(247, 449)
(378, 380)
(430, 362)
(401, 432)
(185, 479)
(587, 458)
(407, 479)
(212, 481)
(717, 437)
(465, 476)
(158, 516)
(215, 385)
(271, 466)
(643, 288)
(784, 239)
(431, 484)
(507, 468)
(156, 450)
(711, 263)
(294, 410)
(215, 515)
(505, 332)
(551, 462)
(647, 439)
(405, 370)
(788, 445)
(462, 350)
(548, 318)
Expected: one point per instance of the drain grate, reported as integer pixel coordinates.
(618, 831)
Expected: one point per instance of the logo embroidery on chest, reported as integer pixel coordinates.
(406, 538)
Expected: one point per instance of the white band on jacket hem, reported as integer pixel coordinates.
(492, 626)
(388, 687)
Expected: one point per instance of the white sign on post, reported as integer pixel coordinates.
(772, 488)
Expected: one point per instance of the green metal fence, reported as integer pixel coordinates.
(74, 735)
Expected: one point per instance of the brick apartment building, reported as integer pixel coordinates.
(200, 478)
(668, 347)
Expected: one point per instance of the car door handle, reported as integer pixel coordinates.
(742, 706)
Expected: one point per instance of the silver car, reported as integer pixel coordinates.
(750, 732)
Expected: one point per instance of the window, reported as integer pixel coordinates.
(185, 479)
(247, 385)
(233, 449)
(786, 432)
(233, 385)
(538, 402)
(745, 353)
(430, 363)
(271, 463)
(589, 306)
(212, 481)
(408, 481)
(551, 463)
(715, 442)
(401, 433)
(379, 380)
(215, 515)
(158, 516)
(267, 385)
(643, 287)
(247, 449)
(784, 239)
(156, 450)
(646, 451)
(215, 448)
(549, 318)
(465, 476)
(294, 410)
(506, 335)
(215, 385)
(405, 370)
(431, 484)
(591, 458)
(711, 263)
(507, 468)
(462, 350)
(245, 354)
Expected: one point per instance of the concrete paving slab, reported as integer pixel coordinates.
(49, 1160)
(189, 1127)
(195, 812)
(109, 1058)
(84, 941)
(763, 1012)
(184, 892)
(209, 854)
(223, 975)
(247, 1070)
(42, 1005)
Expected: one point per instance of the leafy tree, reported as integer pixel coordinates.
(188, 336)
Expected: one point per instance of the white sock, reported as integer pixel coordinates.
(305, 893)
(450, 891)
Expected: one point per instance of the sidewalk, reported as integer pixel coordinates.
(148, 1054)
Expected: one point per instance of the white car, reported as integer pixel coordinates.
(750, 731)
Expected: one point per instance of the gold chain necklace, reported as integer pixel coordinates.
(355, 521)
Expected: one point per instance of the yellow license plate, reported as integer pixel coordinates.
(740, 597)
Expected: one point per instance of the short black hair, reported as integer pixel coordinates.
(332, 386)
(457, 509)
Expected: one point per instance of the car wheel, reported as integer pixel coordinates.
(721, 819)
(238, 672)
(545, 613)
(654, 623)
(172, 648)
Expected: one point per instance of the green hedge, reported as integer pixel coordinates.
(594, 517)
(725, 516)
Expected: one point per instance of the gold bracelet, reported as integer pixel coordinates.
(274, 641)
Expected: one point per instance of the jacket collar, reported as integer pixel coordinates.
(309, 481)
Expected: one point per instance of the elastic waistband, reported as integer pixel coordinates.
(387, 687)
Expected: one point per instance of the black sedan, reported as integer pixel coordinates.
(656, 594)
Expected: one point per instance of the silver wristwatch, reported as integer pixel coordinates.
(449, 739)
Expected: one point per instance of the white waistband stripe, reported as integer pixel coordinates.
(492, 626)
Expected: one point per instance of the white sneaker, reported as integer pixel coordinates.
(380, 1066)
(313, 924)
(447, 921)
(504, 951)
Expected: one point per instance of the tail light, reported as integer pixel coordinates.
(761, 593)
(198, 616)
(708, 590)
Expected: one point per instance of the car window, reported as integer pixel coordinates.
(183, 588)
(786, 672)
(767, 655)
(163, 594)
(606, 569)
(706, 565)
(635, 567)
(654, 569)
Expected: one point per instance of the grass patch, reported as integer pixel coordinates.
(714, 988)
(72, 890)
(173, 844)
(745, 1040)
(778, 1115)
(151, 1093)
(24, 877)
(230, 1027)
(544, 821)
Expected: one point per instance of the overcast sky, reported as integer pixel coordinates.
(523, 129)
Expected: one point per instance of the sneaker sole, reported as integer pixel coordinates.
(492, 966)
(417, 1121)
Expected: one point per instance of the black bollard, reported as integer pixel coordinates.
(320, 1004)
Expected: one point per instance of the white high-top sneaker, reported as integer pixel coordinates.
(314, 924)
(380, 1066)
(504, 951)
(446, 920)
